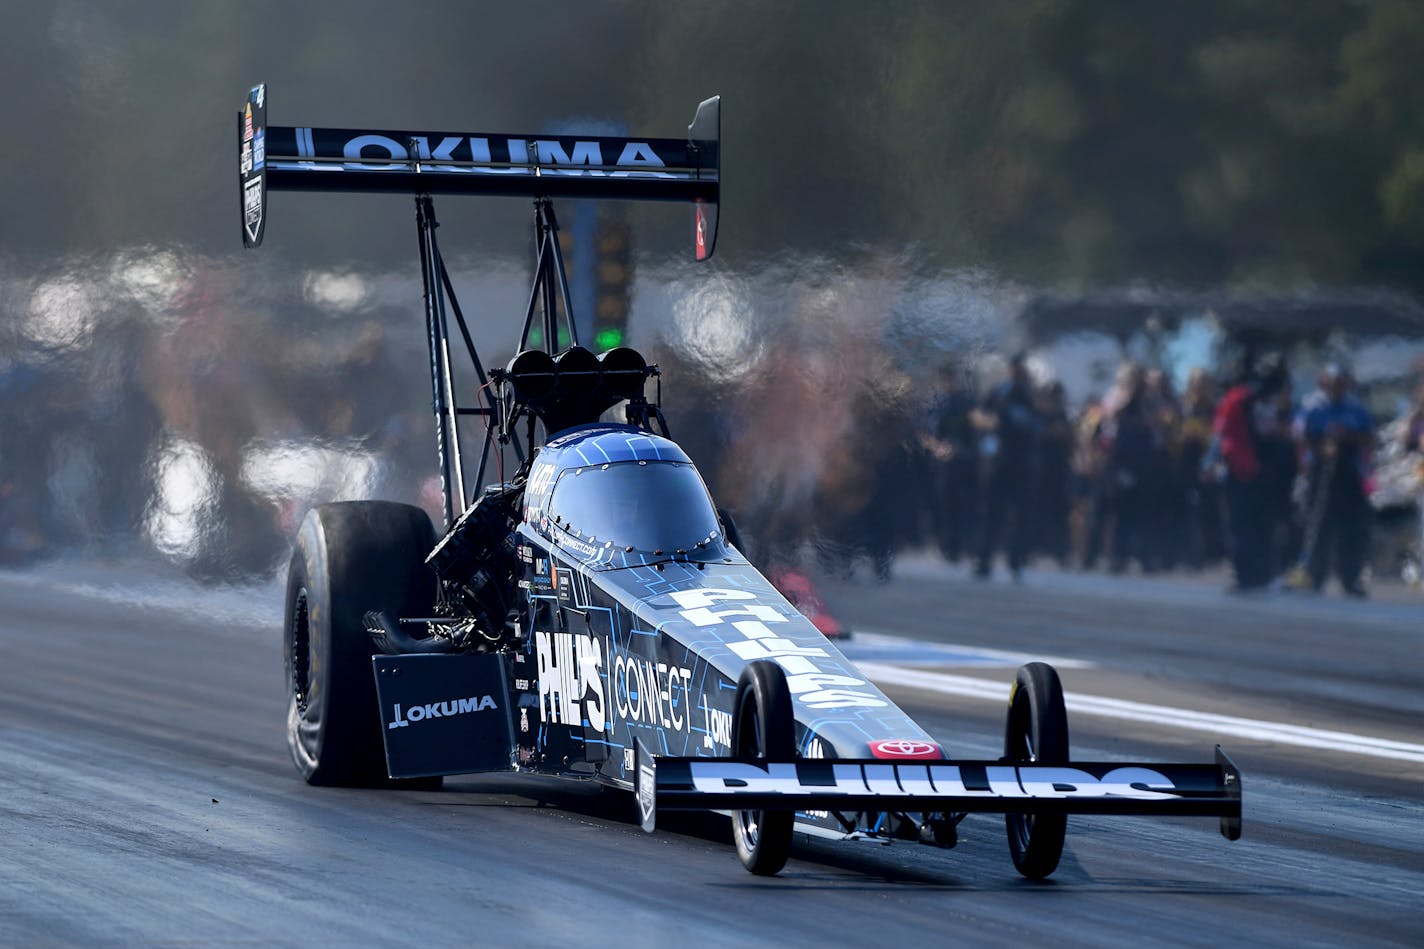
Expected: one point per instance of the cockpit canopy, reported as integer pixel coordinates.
(648, 508)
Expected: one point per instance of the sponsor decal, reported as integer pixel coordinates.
(252, 207)
(482, 155)
(577, 546)
(905, 748)
(388, 147)
(541, 478)
(259, 93)
(524, 720)
(420, 713)
(526, 553)
(714, 776)
(244, 164)
(627, 759)
(647, 794)
(565, 586)
(259, 149)
(247, 123)
(570, 679)
(808, 682)
(652, 693)
(719, 728)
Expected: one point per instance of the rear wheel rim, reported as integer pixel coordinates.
(301, 653)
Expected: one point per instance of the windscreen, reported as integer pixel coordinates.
(648, 506)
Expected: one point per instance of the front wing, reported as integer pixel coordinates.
(808, 784)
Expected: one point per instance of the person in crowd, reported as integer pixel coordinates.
(1164, 496)
(1280, 469)
(1236, 428)
(1055, 474)
(1412, 435)
(1202, 538)
(1007, 423)
(949, 445)
(1412, 442)
(861, 498)
(1131, 465)
(1090, 462)
(1336, 433)
(887, 521)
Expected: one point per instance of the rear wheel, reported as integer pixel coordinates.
(1036, 731)
(350, 557)
(764, 727)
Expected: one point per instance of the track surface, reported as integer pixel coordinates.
(146, 795)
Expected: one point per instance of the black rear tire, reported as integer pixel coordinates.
(763, 726)
(1036, 731)
(350, 557)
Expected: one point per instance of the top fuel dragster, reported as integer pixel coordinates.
(588, 617)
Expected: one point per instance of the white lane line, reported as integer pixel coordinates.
(970, 687)
(902, 650)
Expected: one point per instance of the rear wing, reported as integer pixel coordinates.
(304, 158)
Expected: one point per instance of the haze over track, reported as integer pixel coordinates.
(148, 796)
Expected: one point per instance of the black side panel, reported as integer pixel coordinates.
(444, 714)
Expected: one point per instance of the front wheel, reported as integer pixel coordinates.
(763, 726)
(1036, 732)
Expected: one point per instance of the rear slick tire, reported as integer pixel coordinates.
(350, 557)
(763, 726)
(1036, 732)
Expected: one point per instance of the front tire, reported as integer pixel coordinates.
(350, 557)
(1037, 732)
(763, 726)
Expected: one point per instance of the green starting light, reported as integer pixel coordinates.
(535, 339)
(610, 337)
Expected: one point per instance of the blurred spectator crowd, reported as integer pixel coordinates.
(1239, 470)
(199, 411)
(196, 418)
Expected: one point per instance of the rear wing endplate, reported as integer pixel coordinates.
(305, 158)
(998, 787)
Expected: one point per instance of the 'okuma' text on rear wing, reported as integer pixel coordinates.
(303, 158)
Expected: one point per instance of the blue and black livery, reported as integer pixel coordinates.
(590, 618)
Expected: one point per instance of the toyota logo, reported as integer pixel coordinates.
(905, 748)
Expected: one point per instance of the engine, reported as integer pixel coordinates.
(477, 567)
